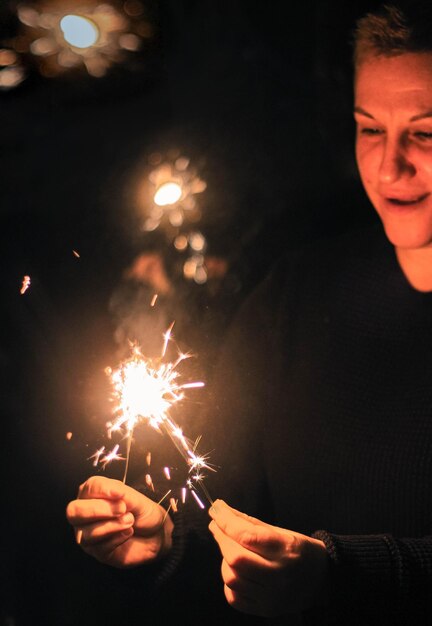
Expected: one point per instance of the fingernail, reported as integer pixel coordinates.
(213, 510)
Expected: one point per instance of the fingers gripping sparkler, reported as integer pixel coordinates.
(144, 390)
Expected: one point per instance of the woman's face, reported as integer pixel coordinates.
(393, 112)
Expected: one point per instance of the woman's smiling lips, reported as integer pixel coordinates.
(401, 202)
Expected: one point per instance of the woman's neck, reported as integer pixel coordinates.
(417, 267)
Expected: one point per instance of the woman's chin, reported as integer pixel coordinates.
(408, 238)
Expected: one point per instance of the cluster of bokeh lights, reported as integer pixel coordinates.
(168, 199)
(170, 192)
(56, 37)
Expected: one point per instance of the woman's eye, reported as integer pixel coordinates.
(370, 131)
(423, 135)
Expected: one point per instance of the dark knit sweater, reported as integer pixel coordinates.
(322, 419)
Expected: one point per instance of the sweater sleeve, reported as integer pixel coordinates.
(380, 575)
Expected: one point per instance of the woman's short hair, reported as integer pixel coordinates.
(395, 28)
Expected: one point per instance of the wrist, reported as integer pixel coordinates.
(321, 595)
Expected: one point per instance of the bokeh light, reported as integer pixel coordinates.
(168, 193)
(79, 31)
(56, 36)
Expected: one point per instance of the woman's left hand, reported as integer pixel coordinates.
(268, 571)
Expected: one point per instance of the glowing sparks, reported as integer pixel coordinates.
(111, 456)
(167, 337)
(97, 455)
(199, 502)
(144, 390)
(25, 284)
(198, 462)
(75, 253)
(153, 301)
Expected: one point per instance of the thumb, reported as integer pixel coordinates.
(149, 516)
(252, 534)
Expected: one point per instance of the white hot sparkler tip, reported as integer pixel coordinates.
(183, 494)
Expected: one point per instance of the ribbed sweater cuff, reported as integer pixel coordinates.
(171, 562)
(166, 567)
(366, 572)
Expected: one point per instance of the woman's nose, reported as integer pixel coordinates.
(395, 162)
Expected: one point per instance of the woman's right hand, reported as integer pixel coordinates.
(117, 525)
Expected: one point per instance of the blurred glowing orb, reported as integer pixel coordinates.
(42, 46)
(180, 243)
(197, 241)
(200, 275)
(7, 57)
(79, 31)
(11, 77)
(168, 193)
(176, 218)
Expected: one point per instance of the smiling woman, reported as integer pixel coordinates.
(393, 100)
(319, 412)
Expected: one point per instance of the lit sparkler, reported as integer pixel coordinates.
(144, 390)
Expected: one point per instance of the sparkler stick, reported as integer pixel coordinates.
(144, 390)
(128, 449)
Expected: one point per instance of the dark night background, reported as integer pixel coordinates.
(258, 95)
